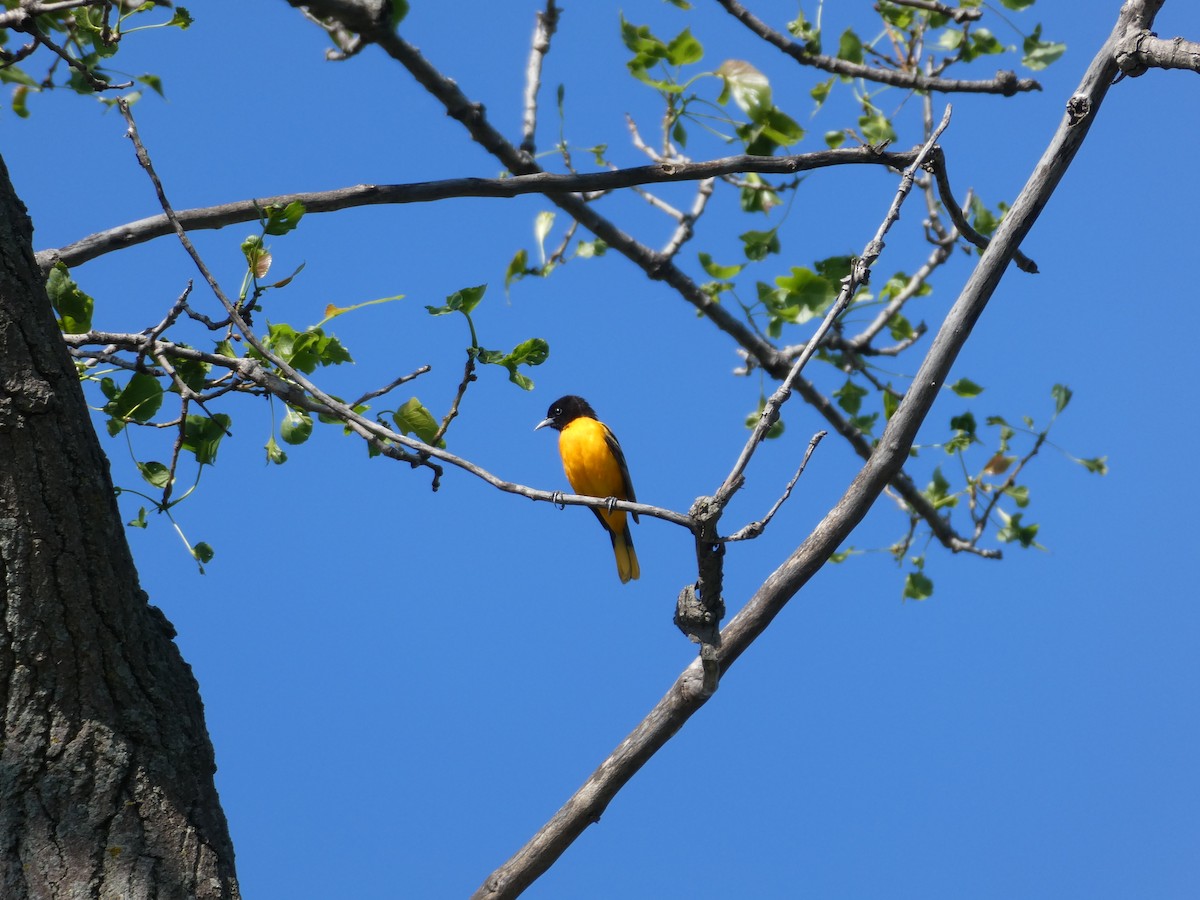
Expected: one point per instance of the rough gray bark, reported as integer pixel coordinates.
(106, 769)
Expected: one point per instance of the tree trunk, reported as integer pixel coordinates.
(106, 769)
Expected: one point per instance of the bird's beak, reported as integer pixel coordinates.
(543, 424)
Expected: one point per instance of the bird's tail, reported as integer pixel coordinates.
(627, 561)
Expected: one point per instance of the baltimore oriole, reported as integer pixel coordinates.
(595, 466)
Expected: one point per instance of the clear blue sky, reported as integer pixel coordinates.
(403, 686)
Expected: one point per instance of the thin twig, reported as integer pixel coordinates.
(468, 377)
(168, 320)
(547, 23)
(754, 529)
(687, 223)
(371, 395)
(942, 177)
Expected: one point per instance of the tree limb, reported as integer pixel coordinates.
(547, 183)
(1005, 83)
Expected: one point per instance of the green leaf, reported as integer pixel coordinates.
(1019, 494)
(850, 47)
(191, 372)
(589, 249)
(277, 220)
(876, 129)
(518, 268)
(1062, 396)
(900, 328)
(755, 196)
(413, 418)
(15, 75)
(918, 586)
(684, 49)
(821, 92)
(1014, 531)
(1017, 4)
(73, 306)
(532, 352)
(965, 423)
(964, 387)
(202, 436)
(155, 473)
(984, 220)
(834, 139)
(757, 245)
(20, 92)
(983, 43)
(749, 87)
(138, 401)
(463, 301)
(937, 491)
(679, 133)
(296, 427)
(722, 273)
(182, 19)
(140, 521)
(203, 552)
(1039, 53)
(779, 128)
(897, 16)
(850, 396)
(865, 424)
(890, 403)
(806, 294)
(1097, 465)
(275, 453)
(808, 33)
(153, 82)
(399, 9)
(305, 350)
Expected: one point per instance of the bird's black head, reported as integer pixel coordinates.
(564, 411)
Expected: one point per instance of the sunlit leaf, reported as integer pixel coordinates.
(202, 436)
(413, 418)
(73, 306)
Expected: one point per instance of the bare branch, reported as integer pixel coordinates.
(468, 377)
(942, 177)
(754, 529)
(1005, 83)
(547, 183)
(1144, 50)
(547, 23)
(687, 222)
(371, 395)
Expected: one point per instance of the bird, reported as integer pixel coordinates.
(595, 466)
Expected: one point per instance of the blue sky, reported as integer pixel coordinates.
(403, 686)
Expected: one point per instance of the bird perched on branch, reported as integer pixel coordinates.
(595, 466)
